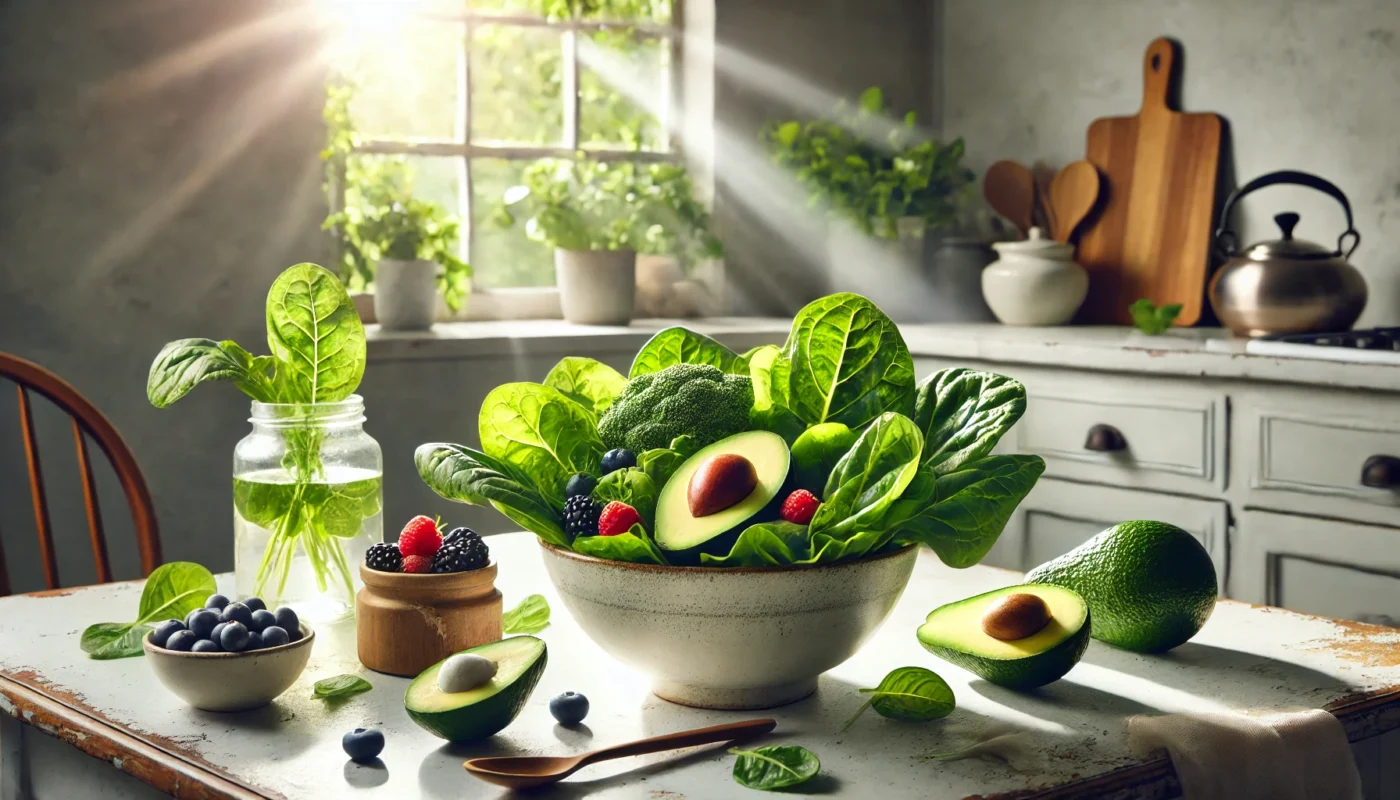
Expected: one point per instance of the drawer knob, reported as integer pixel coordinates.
(1105, 439)
(1381, 472)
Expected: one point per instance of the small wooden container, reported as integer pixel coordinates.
(407, 623)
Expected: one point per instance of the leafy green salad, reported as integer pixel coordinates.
(824, 449)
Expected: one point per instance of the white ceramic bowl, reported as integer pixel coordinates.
(231, 681)
(729, 638)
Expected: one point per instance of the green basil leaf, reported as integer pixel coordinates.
(771, 768)
(960, 515)
(592, 384)
(909, 694)
(674, 346)
(963, 413)
(174, 590)
(848, 363)
(465, 475)
(869, 478)
(766, 544)
(315, 334)
(544, 435)
(340, 687)
(631, 486)
(531, 615)
(635, 546)
(185, 363)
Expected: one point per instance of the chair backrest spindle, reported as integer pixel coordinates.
(36, 489)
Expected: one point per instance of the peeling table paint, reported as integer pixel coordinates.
(1247, 658)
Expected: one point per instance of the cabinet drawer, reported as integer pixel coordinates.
(1322, 456)
(1058, 516)
(1318, 566)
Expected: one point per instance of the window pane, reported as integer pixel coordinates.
(622, 90)
(407, 72)
(516, 78)
(433, 178)
(503, 257)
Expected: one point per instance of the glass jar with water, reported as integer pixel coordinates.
(307, 504)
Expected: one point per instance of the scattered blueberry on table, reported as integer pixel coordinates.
(224, 626)
(569, 708)
(363, 744)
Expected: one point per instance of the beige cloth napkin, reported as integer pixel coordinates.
(1301, 755)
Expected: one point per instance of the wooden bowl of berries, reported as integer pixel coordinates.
(425, 597)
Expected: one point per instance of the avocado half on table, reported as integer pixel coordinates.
(1020, 637)
(485, 710)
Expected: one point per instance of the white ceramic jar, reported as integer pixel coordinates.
(1034, 282)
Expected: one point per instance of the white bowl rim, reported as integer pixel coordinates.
(564, 552)
(307, 635)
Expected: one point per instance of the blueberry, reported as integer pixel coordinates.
(216, 602)
(181, 641)
(163, 631)
(234, 637)
(616, 459)
(569, 708)
(580, 484)
(217, 632)
(255, 604)
(206, 646)
(203, 622)
(237, 612)
(255, 642)
(262, 618)
(273, 636)
(287, 621)
(363, 744)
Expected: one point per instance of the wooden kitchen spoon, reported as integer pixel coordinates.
(1072, 196)
(526, 772)
(1045, 214)
(1009, 189)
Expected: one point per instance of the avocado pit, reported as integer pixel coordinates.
(1016, 616)
(721, 482)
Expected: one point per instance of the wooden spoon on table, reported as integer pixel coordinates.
(1072, 196)
(1009, 189)
(526, 772)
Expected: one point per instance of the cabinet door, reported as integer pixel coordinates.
(1058, 516)
(1334, 569)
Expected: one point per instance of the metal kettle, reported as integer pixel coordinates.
(1287, 285)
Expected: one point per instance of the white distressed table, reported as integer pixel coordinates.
(1247, 658)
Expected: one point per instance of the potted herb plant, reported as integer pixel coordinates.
(598, 216)
(885, 184)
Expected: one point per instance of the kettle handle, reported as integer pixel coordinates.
(1225, 238)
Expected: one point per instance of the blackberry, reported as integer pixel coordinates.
(471, 554)
(384, 557)
(460, 536)
(581, 516)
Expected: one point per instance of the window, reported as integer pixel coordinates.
(469, 93)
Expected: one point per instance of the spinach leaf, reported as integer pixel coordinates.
(110, 640)
(544, 435)
(848, 363)
(674, 346)
(341, 687)
(635, 546)
(963, 413)
(171, 592)
(767, 371)
(870, 477)
(633, 487)
(315, 334)
(185, 363)
(660, 464)
(771, 768)
(1152, 319)
(592, 384)
(766, 544)
(470, 476)
(911, 694)
(531, 615)
(960, 515)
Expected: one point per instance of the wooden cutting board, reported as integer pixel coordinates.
(1159, 169)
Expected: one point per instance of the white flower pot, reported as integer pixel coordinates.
(405, 294)
(1034, 282)
(596, 287)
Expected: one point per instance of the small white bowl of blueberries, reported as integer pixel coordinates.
(230, 656)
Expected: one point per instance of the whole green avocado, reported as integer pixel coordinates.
(695, 400)
(1150, 586)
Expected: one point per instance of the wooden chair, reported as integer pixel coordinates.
(28, 377)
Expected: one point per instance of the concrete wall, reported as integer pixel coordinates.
(1303, 85)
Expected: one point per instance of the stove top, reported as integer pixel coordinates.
(1370, 346)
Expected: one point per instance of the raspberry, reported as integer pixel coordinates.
(800, 506)
(420, 537)
(417, 564)
(617, 518)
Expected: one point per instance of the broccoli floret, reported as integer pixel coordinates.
(683, 400)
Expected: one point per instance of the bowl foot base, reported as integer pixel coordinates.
(733, 699)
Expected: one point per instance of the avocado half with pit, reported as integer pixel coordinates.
(719, 491)
(477, 713)
(1020, 637)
